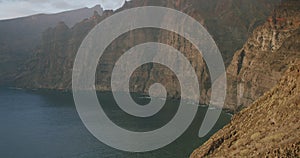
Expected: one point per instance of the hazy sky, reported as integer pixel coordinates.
(18, 8)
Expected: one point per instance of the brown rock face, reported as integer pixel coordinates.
(229, 22)
(268, 128)
(258, 66)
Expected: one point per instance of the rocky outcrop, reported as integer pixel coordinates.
(225, 20)
(258, 66)
(268, 128)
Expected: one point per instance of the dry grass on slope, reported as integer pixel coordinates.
(269, 127)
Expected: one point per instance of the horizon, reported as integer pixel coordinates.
(15, 9)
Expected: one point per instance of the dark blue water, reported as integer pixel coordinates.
(45, 124)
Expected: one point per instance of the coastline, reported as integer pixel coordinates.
(67, 90)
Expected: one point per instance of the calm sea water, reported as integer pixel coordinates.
(45, 124)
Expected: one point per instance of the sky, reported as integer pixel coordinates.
(19, 8)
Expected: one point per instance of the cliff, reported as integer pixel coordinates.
(258, 66)
(229, 21)
(267, 128)
(19, 37)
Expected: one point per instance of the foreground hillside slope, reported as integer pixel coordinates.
(269, 127)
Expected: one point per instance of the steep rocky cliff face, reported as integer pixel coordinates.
(268, 128)
(19, 37)
(229, 21)
(50, 66)
(258, 66)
